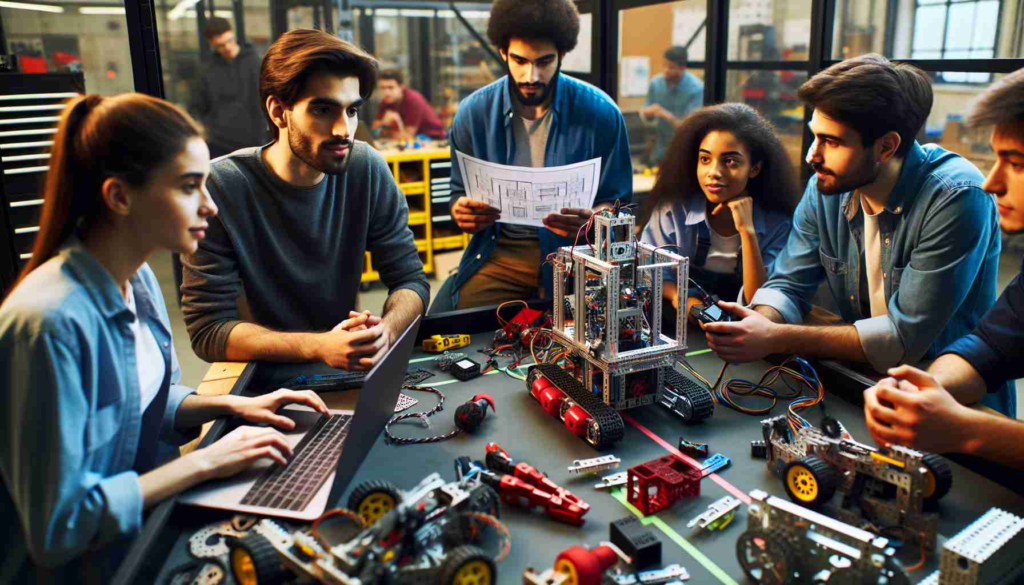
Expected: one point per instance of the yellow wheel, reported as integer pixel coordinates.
(372, 500)
(802, 483)
(569, 570)
(467, 565)
(938, 480)
(255, 561)
(374, 506)
(474, 573)
(241, 564)
(809, 481)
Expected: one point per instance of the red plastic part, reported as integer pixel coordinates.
(590, 565)
(659, 483)
(576, 420)
(526, 485)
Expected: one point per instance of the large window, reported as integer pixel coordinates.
(646, 77)
(932, 30)
(955, 30)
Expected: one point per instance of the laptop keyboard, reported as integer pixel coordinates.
(292, 486)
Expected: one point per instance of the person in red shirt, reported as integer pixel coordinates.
(404, 112)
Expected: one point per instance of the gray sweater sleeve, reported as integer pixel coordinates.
(209, 292)
(389, 238)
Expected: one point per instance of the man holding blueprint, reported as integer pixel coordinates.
(534, 155)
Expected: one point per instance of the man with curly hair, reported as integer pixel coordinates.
(924, 410)
(535, 117)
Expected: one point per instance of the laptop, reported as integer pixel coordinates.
(327, 451)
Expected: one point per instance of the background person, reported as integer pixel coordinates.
(671, 95)
(404, 113)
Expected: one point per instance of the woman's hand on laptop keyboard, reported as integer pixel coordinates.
(263, 409)
(239, 449)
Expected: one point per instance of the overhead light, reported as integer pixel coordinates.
(179, 9)
(27, 6)
(101, 10)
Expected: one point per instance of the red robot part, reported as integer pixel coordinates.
(659, 483)
(585, 567)
(549, 396)
(521, 482)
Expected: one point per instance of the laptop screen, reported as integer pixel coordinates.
(375, 406)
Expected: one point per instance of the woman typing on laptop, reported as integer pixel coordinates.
(91, 415)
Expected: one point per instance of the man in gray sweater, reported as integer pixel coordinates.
(295, 219)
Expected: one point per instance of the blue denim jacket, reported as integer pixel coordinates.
(74, 439)
(940, 257)
(585, 124)
(674, 224)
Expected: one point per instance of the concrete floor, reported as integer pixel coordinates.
(193, 369)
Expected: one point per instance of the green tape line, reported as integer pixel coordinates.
(424, 359)
(697, 352)
(620, 495)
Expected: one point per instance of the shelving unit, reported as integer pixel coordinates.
(424, 176)
(30, 107)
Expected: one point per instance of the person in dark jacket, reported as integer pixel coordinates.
(227, 100)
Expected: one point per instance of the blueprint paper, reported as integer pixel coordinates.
(526, 195)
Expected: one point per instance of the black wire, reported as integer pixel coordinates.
(389, 438)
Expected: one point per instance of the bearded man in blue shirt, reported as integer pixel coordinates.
(533, 117)
(904, 234)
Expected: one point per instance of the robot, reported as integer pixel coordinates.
(388, 537)
(607, 312)
(895, 488)
(786, 543)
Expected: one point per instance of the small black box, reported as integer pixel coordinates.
(465, 369)
(637, 541)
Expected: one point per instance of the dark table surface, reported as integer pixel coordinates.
(520, 426)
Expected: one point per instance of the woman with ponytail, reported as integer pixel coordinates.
(91, 414)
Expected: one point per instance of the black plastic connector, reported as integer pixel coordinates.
(758, 450)
(637, 541)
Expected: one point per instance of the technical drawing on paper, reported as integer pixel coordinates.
(526, 195)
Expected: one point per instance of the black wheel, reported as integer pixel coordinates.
(484, 499)
(939, 479)
(594, 433)
(254, 561)
(809, 481)
(766, 558)
(365, 286)
(695, 403)
(468, 565)
(832, 428)
(371, 500)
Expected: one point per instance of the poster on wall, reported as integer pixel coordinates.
(635, 76)
(578, 59)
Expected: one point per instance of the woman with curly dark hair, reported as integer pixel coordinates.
(725, 198)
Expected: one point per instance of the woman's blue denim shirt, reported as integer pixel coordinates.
(940, 257)
(74, 441)
(673, 223)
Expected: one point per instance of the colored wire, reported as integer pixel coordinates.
(389, 438)
(503, 534)
(331, 514)
(794, 368)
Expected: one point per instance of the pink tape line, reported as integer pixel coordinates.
(735, 491)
